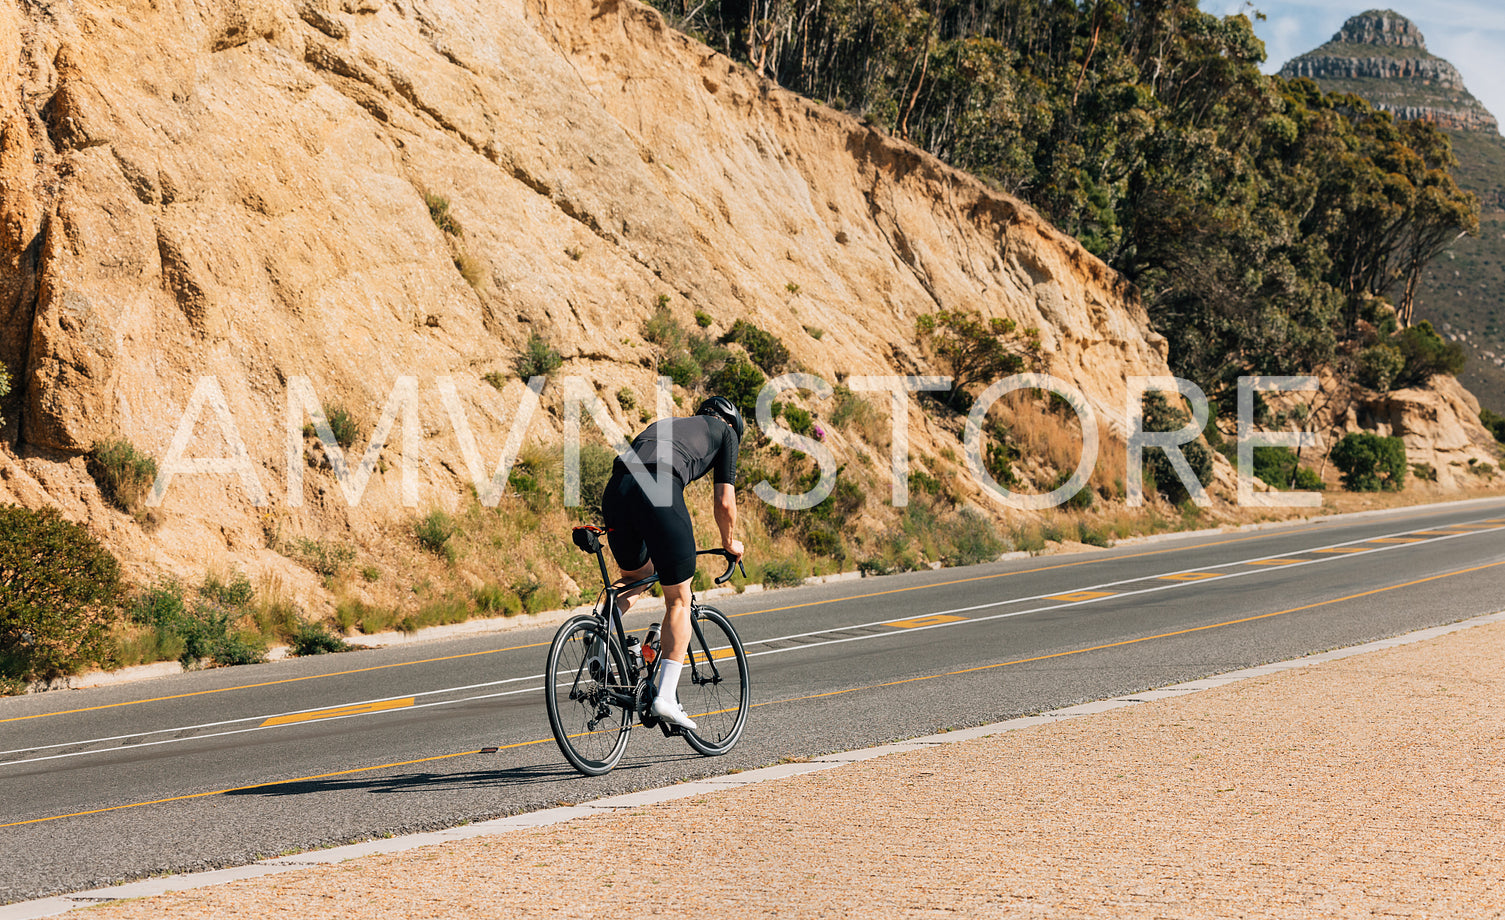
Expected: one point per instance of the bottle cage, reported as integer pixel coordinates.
(588, 538)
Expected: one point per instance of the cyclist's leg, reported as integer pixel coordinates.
(621, 512)
(676, 631)
(671, 544)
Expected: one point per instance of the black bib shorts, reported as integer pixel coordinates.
(637, 531)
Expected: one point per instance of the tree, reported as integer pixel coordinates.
(977, 352)
(1369, 462)
(59, 590)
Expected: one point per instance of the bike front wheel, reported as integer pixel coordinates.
(716, 694)
(584, 683)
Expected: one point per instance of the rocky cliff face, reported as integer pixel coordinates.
(1383, 57)
(237, 189)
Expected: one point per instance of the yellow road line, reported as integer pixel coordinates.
(1080, 596)
(934, 619)
(1341, 550)
(1396, 540)
(798, 699)
(1276, 561)
(1191, 576)
(358, 709)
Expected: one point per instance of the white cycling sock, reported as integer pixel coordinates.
(668, 679)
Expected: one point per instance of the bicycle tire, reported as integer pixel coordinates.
(716, 688)
(591, 732)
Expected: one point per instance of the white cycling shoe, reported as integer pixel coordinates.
(670, 711)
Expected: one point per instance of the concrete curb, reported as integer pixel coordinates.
(49, 907)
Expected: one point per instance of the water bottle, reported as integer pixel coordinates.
(634, 653)
(650, 644)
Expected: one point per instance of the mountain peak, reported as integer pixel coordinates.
(1381, 27)
(1381, 56)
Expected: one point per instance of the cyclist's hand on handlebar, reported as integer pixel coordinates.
(736, 548)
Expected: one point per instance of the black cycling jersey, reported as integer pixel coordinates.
(637, 528)
(696, 445)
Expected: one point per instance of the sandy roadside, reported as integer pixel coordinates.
(1362, 787)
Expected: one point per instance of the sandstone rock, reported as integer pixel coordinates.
(1439, 425)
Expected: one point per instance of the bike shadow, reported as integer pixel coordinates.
(430, 781)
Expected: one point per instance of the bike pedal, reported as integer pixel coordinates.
(669, 730)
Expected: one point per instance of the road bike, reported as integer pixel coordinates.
(599, 680)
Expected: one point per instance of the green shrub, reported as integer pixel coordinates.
(1425, 354)
(824, 539)
(1275, 466)
(1494, 423)
(537, 358)
(59, 595)
(739, 381)
(1379, 366)
(495, 600)
(343, 426)
(782, 573)
(314, 638)
(702, 319)
(1092, 535)
(849, 407)
(977, 351)
(682, 368)
(1307, 480)
(1370, 463)
(124, 475)
(434, 531)
(798, 420)
(236, 591)
(326, 558)
(439, 212)
(1028, 538)
(968, 539)
(662, 329)
(1081, 499)
(595, 469)
(203, 630)
(1424, 471)
(536, 597)
(4, 392)
(764, 348)
(627, 399)
(922, 483)
(814, 332)
(1160, 415)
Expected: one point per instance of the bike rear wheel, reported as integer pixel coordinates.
(717, 690)
(585, 678)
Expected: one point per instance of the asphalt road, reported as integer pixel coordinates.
(223, 767)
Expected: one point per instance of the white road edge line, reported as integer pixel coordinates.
(60, 904)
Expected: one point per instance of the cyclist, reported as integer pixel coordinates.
(648, 536)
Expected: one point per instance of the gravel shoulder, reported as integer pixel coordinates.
(1364, 786)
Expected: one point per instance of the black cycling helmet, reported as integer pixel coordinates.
(722, 408)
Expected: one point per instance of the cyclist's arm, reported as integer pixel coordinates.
(726, 517)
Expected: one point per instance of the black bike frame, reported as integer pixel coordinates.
(612, 620)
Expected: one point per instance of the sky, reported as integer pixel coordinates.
(1469, 33)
